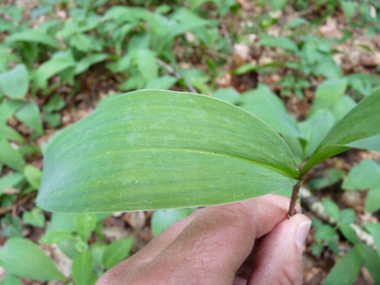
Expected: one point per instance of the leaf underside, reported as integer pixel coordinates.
(155, 149)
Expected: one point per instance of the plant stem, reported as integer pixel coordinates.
(294, 198)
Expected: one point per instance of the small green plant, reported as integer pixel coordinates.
(148, 150)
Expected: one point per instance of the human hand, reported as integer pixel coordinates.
(247, 242)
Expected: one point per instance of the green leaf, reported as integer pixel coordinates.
(316, 248)
(349, 233)
(374, 230)
(146, 63)
(372, 200)
(15, 82)
(348, 8)
(12, 226)
(314, 129)
(62, 221)
(162, 219)
(10, 180)
(33, 176)
(116, 252)
(347, 216)
(266, 105)
(10, 279)
(365, 175)
(34, 218)
(97, 251)
(82, 268)
(325, 232)
(8, 108)
(328, 94)
(85, 224)
(50, 68)
(229, 95)
(9, 156)
(360, 128)
(34, 36)
(371, 260)
(55, 236)
(30, 116)
(23, 258)
(344, 105)
(143, 150)
(280, 42)
(55, 103)
(331, 177)
(345, 270)
(9, 133)
(331, 208)
(163, 82)
(89, 60)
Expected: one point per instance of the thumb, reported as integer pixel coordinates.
(277, 259)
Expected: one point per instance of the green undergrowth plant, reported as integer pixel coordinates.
(148, 150)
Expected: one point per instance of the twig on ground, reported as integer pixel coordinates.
(316, 206)
(172, 71)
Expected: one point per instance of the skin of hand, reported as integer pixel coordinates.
(247, 242)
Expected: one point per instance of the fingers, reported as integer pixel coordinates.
(278, 256)
(216, 242)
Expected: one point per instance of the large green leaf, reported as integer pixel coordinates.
(6, 132)
(9, 156)
(360, 128)
(35, 36)
(116, 252)
(264, 104)
(156, 149)
(22, 257)
(346, 270)
(82, 268)
(15, 82)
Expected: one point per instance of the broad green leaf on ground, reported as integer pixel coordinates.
(347, 216)
(371, 260)
(10, 279)
(50, 68)
(325, 232)
(266, 105)
(82, 268)
(366, 175)
(163, 82)
(331, 208)
(149, 150)
(372, 201)
(348, 8)
(89, 60)
(9, 156)
(15, 82)
(374, 230)
(10, 180)
(162, 219)
(35, 217)
(85, 224)
(360, 128)
(126, 14)
(8, 108)
(229, 95)
(30, 116)
(55, 236)
(33, 176)
(349, 233)
(24, 258)
(328, 68)
(11, 225)
(329, 178)
(35, 36)
(281, 42)
(62, 221)
(314, 129)
(345, 270)
(116, 252)
(146, 63)
(8, 133)
(328, 94)
(342, 107)
(363, 176)
(55, 103)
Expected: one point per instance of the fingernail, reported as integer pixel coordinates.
(302, 231)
